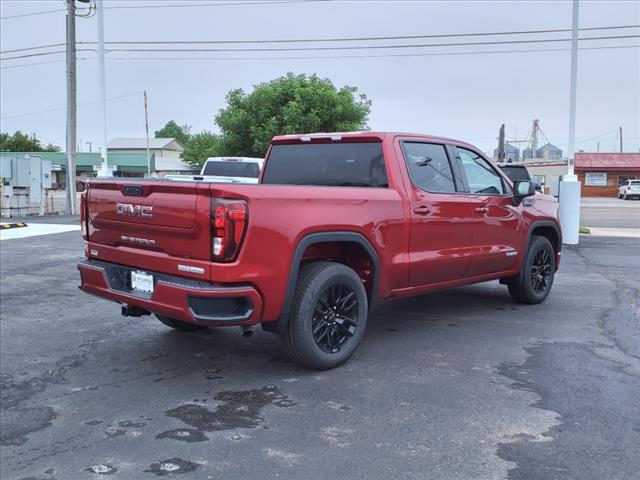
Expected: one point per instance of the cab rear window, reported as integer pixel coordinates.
(232, 169)
(327, 164)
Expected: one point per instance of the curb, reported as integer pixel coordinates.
(5, 226)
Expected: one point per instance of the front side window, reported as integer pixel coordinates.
(328, 164)
(481, 176)
(429, 167)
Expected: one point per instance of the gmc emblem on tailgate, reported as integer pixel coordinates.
(130, 210)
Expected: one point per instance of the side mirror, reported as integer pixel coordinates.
(522, 189)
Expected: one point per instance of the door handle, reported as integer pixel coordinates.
(422, 210)
(482, 209)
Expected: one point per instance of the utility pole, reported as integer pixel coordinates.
(104, 165)
(569, 211)
(89, 143)
(620, 139)
(146, 128)
(71, 107)
(598, 146)
(501, 152)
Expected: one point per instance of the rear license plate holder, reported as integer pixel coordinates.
(141, 281)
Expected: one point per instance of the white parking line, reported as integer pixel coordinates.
(34, 229)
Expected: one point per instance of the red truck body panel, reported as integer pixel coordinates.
(463, 239)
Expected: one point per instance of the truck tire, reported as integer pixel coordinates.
(328, 316)
(179, 324)
(533, 283)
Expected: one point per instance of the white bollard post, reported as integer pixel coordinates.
(570, 209)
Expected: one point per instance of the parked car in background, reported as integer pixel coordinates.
(518, 173)
(629, 190)
(338, 222)
(226, 170)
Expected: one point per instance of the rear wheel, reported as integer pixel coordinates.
(179, 324)
(533, 283)
(328, 316)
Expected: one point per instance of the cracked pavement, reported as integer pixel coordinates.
(464, 384)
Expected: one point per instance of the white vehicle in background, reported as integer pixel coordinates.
(226, 170)
(629, 190)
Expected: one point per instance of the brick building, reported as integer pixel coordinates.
(602, 173)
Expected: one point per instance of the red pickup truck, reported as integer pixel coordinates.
(337, 222)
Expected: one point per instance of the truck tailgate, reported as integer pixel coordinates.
(155, 216)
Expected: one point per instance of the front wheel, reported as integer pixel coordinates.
(533, 283)
(179, 324)
(328, 316)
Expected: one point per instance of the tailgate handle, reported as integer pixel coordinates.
(133, 190)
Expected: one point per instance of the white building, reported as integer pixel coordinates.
(167, 152)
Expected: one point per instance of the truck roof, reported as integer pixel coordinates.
(362, 136)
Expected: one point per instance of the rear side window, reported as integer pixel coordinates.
(232, 169)
(429, 167)
(328, 164)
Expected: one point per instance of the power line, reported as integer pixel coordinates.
(227, 4)
(32, 14)
(42, 54)
(322, 40)
(64, 108)
(358, 47)
(369, 47)
(31, 64)
(360, 39)
(113, 7)
(40, 137)
(336, 57)
(339, 57)
(423, 54)
(51, 45)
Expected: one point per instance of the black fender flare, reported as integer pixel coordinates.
(330, 236)
(544, 223)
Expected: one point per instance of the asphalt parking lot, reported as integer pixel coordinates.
(464, 384)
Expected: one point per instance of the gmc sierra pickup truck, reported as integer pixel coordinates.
(337, 222)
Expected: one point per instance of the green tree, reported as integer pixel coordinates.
(19, 142)
(200, 147)
(286, 105)
(173, 130)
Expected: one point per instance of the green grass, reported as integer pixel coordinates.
(585, 230)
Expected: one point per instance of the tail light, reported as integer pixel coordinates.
(84, 227)
(228, 226)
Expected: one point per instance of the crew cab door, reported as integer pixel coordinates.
(498, 223)
(440, 239)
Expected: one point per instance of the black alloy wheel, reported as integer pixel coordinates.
(328, 316)
(533, 283)
(541, 269)
(335, 317)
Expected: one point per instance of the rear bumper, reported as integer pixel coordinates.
(180, 298)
